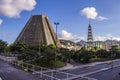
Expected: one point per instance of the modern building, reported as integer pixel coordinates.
(38, 30)
(99, 45)
(110, 43)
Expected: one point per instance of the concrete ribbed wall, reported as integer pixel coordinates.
(38, 30)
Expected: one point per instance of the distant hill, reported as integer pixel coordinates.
(66, 42)
(70, 45)
(81, 43)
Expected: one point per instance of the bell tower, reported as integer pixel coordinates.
(90, 38)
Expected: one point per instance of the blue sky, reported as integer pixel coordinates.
(73, 16)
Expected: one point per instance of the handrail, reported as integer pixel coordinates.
(43, 71)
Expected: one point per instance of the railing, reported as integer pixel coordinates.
(42, 72)
(45, 73)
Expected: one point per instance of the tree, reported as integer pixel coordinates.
(114, 51)
(66, 54)
(17, 47)
(118, 53)
(3, 45)
(102, 53)
(76, 56)
(85, 55)
(47, 56)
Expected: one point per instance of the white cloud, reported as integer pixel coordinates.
(106, 37)
(91, 13)
(100, 38)
(77, 39)
(1, 21)
(13, 8)
(116, 38)
(101, 18)
(69, 36)
(66, 35)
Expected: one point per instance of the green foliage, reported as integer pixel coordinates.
(17, 47)
(102, 53)
(66, 54)
(28, 55)
(85, 55)
(76, 56)
(60, 63)
(52, 46)
(44, 62)
(44, 57)
(34, 47)
(3, 45)
(115, 51)
(98, 59)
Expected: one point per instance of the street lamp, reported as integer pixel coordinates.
(39, 48)
(56, 24)
(111, 53)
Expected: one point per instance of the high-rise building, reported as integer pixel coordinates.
(90, 38)
(38, 30)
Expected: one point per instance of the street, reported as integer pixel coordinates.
(83, 73)
(112, 74)
(92, 71)
(8, 72)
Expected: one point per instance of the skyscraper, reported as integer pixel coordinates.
(38, 30)
(90, 38)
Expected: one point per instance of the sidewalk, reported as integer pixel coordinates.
(70, 66)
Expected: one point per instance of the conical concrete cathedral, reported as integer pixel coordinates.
(38, 30)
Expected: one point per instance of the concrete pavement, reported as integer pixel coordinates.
(8, 72)
(71, 66)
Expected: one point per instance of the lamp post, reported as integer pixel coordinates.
(111, 53)
(39, 49)
(56, 24)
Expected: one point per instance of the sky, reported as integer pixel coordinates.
(74, 17)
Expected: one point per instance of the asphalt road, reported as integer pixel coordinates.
(78, 71)
(112, 74)
(8, 72)
(83, 71)
(88, 69)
